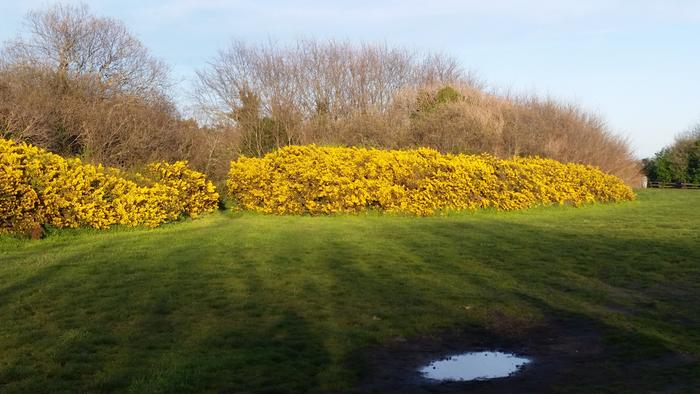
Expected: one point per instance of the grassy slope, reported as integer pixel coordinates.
(247, 302)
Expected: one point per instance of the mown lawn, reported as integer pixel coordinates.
(248, 303)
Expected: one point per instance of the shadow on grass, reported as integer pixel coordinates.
(170, 325)
(294, 307)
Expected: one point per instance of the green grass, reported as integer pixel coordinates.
(242, 302)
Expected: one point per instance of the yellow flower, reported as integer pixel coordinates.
(322, 180)
(39, 188)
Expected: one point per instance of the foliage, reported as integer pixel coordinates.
(679, 162)
(427, 101)
(324, 180)
(39, 188)
(193, 190)
(452, 122)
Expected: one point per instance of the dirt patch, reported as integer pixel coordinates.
(564, 354)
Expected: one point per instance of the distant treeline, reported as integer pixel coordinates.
(83, 85)
(677, 163)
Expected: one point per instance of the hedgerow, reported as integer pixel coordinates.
(323, 180)
(39, 188)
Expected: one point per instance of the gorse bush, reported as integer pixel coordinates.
(39, 188)
(324, 180)
(193, 191)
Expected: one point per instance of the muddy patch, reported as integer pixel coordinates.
(562, 354)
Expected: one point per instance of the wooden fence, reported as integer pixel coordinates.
(672, 185)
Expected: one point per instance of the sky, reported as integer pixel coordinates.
(635, 63)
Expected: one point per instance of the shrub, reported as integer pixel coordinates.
(196, 194)
(39, 188)
(323, 180)
(679, 162)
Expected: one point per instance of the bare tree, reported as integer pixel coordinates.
(313, 76)
(73, 42)
(565, 132)
(83, 85)
(308, 91)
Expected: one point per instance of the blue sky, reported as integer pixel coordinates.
(636, 63)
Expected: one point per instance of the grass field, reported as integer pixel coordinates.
(241, 302)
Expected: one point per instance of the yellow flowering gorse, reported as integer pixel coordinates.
(324, 180)
(40, 188)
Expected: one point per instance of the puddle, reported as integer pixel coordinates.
(474, 366)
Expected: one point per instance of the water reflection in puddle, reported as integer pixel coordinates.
(474, 366)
